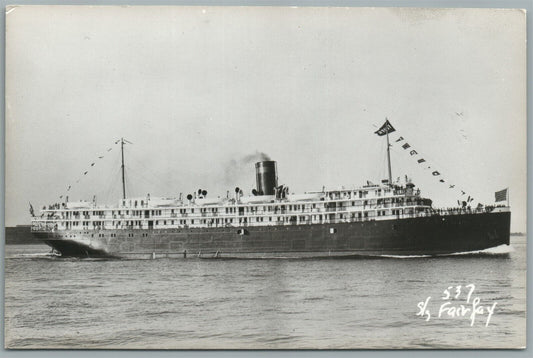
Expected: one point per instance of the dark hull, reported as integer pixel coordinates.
(20, 235)
(435, 235)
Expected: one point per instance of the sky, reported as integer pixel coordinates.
(200, 90)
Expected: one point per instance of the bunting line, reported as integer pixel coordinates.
(404, 144)
(85, 172)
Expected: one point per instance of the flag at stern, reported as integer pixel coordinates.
(501, 195)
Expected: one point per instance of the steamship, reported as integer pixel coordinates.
(370, 220)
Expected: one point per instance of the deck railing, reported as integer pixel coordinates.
(291, 218)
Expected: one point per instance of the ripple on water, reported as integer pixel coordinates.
(362, 303)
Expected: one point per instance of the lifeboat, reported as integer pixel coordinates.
(158, 202)
(208, 201)
(82, 204)
(257, 199)
(305, 197)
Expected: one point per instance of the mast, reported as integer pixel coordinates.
(122, 167)
(385, 129)
(122, 142)
(388, 159)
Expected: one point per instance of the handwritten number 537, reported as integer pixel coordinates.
(455, 291)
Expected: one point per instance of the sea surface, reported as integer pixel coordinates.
(53, 302)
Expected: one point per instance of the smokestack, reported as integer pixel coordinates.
(266, 177)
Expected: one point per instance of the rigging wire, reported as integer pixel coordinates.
(145, 170)
(72, 186)
(140, 176)
(378, 171)
(112, 186)
(430, 165)
(430, 161)
(146, 174)
(384, 166)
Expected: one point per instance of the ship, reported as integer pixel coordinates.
(385, 219)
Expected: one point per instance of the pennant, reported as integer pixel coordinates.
(61, 197)
(92, 165)
(109, 149)
(85, 173)
(100, 157)
(388, 128)
(68, 188)
(385, 129)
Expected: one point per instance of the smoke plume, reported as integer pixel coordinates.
(237, 168)
(255, 157)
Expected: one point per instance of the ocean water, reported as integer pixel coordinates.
(52, 302)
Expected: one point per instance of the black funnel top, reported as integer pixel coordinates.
(266, 177)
